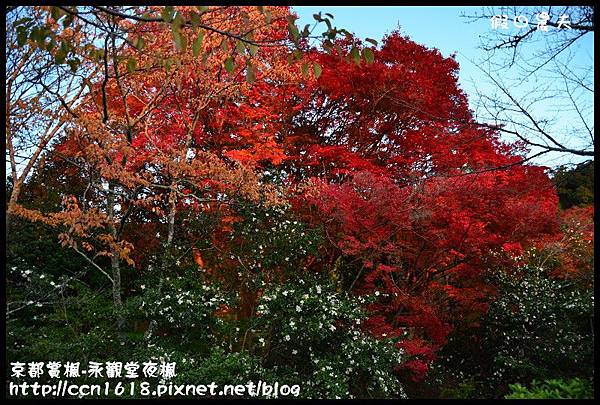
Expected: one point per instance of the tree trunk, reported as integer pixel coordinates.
(14, 195)
(163, 266)
(114, 259)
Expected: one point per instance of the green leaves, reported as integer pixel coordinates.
(176, 29)
(21, 35)
(73, 64)
(368, 55)
(250, 72)
(139, 43)
(305, 69)
(317, 70)
(61, 55)
(229, 64)
(240, 47)
(95, 53)
(131, 65)
(355, 55)
(68, 20)
(195, 19)
(56, 13)
(306, 31)
(293, 30)
(168, 63)
(197, 45)
(167, 13)
(372, 41)
(268, 16)
(253, 49)
(179, 40)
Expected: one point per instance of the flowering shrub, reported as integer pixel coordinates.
(270, 241)
(314, 331)
(183, 308)
(539, 326)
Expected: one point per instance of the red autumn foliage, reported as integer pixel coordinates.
(408, 190)
(403, 180)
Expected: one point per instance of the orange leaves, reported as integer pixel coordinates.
(267, 151)
(224, 312)
(85, 228)
(200, 262)
(198, 258)
(124, 250)
(87, 246)
(228, 220)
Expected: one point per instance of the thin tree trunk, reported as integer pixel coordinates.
(170, 235)
(114, 259)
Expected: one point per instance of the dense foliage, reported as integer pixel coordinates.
(349, 227)
(575, 186)
(553, 389)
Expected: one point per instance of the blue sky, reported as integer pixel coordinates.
(436, 27)
(439, 27)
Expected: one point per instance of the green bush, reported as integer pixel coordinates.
(314, 332)
(575, 388)
(539, 327)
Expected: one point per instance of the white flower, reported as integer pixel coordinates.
(143, 287)
(318, 289)
(331, 328)
(294, 351)
(287, 338)
(377, 293)
(298, 309)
